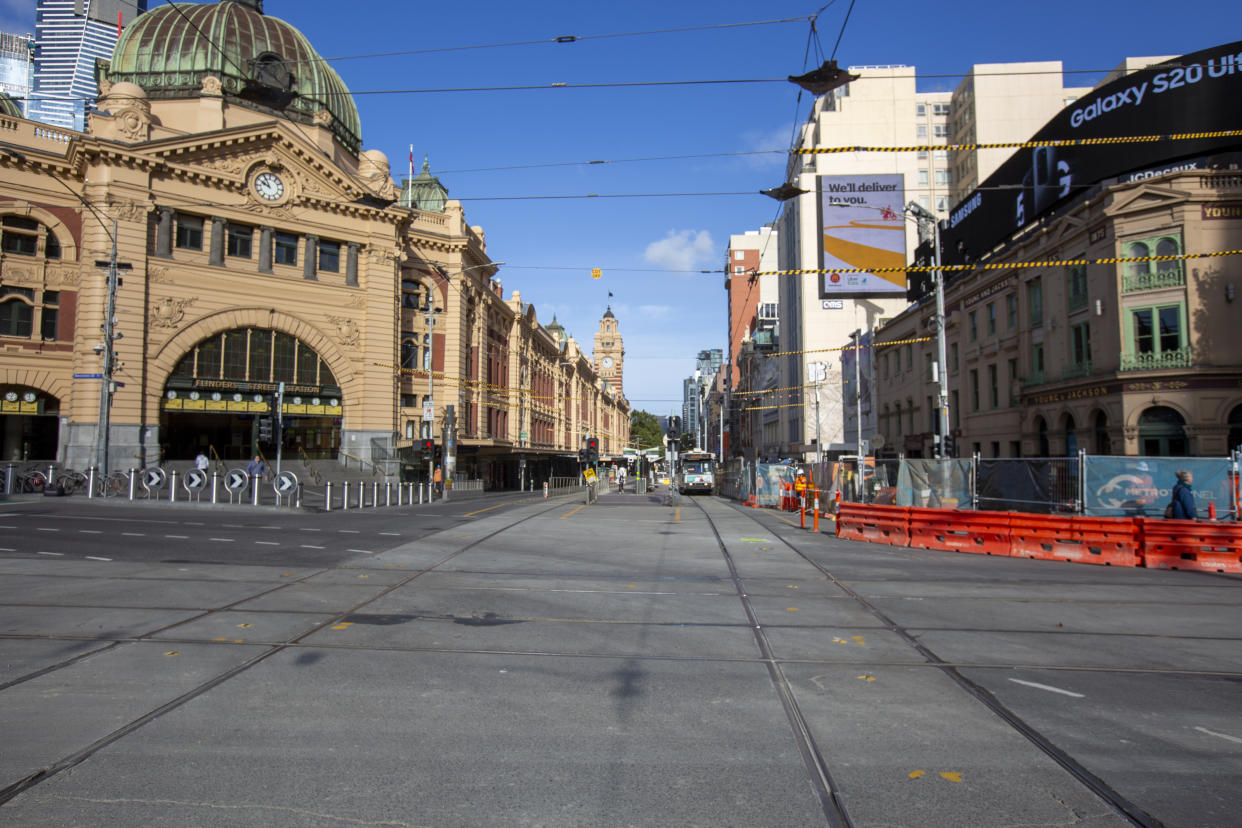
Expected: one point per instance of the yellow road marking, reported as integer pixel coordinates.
(916, 774)
(344, 625)
(677, 515)
(488, 509)
(952, 776)
(574, 512)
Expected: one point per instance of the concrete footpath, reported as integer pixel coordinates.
(549, 663)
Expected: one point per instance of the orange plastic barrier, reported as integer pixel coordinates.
(1191, 544)
(1106, 541)
(955, 530)
(876, 524)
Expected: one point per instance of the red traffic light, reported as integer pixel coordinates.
(429, 446)
(593, 443)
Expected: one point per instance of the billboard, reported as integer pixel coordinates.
(1196, 93)
(863, 227)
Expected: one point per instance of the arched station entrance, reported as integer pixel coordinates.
(224, 387)
(1162, 433)
(29, 424)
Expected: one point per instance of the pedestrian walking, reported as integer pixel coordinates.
(201, 462)
(1182, 506)
(257, 468)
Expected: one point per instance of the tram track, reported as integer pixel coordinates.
(1123, 806)
(15, 789)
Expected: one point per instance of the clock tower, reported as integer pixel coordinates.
(609, 352)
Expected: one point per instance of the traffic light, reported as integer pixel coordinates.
(265, 429)
(592, 450)
(674, 427)
(429, 449)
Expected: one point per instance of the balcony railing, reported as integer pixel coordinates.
(1082, 369)
(1033, 378)
(1170, 277)
(1157, 361)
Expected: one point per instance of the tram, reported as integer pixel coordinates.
(696, 472)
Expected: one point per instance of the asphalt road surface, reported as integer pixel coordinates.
(515, 661)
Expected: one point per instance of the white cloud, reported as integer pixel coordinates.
(682, 250)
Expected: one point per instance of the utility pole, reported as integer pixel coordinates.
(924, 217)
(107, 386)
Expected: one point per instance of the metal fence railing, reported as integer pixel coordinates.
(1089, 485)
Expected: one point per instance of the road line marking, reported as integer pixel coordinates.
(132, 535)
(390, 534)
(310, 530)
(363, 551)
(42, 529)
(89, 532)
(267, 543)
(348, 531)
(8, 527)
(178, 537)
(307, 546)
(221, 540)
(1049, 689)
(481, 511)
(57, 554)
(574, 512)
(6, 549)
(1221, 735)
(677, 515)
(93, 558)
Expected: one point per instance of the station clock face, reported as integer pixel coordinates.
(606, 362)
(268, 186)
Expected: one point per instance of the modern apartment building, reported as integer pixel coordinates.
(16, 67)
(70, 36)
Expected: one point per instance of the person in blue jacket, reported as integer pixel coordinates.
(1184, 497)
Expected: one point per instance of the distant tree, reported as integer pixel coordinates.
(687, 442)
(645, 430)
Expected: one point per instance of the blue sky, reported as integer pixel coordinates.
(511, 157)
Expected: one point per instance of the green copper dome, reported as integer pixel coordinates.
(262, 62)
(10, 107)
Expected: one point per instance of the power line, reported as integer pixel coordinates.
(561, 39)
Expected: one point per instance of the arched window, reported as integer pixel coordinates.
(254, 355)
(1071, 437)
(1168, 247)
(1041, 431)
(1235, 429)
(1138, 250)
(23, 236)
(16, 311)
(1162, 433)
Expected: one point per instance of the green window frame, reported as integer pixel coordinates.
(1148, 275)
(1076, 286)
(1157, 337)
(1035, 302)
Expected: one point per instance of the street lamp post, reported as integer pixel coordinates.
(924, 216)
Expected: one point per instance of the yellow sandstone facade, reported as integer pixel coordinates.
(259, 245)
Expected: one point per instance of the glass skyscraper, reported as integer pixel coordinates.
(70, 36)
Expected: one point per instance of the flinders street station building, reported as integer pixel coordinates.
(258, 247)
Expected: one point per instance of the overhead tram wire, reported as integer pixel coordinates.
(562, 39)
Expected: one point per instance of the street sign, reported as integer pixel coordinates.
(589, 474)
(88, 376)
(596, 273)
(194, 480)
(236, 480)
(429, 412)
(153, 478)
(285, 484)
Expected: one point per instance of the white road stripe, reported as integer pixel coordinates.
(1049, 689)
(393, 534)
(133, 535)
(89, 532)
(42, 529)
(6, 549)
(310, 530)
(178, 537)
(221, 540)
(267, 543)
(93, 558)
(363, 551)
(348, 531)
(8, 527)
(306, 546)
(57, 554)
(1221, 735)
